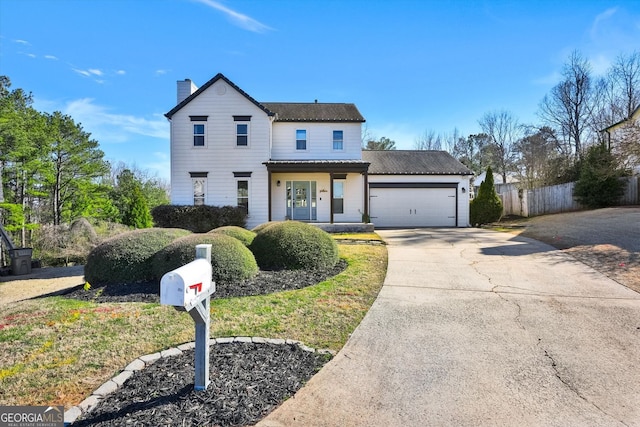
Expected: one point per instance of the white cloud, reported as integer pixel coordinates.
(239, 19)
(95, 71)
(23, 42)
(108, 127)
(596, 27)
(550, 79)
(82, 72)
(53, 58)
(161, 72)
(121, 72)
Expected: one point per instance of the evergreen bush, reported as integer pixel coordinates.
(242, 234)
(486, 207)
(230, 260)
(294, 245)
(258, 228)
(199, 219)
(599, 184)
(126, 258)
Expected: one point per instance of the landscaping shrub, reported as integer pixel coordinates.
(126, 258)
(294, 245)
(599, 184)
(260, 227)
(199, 219)
(242, 234)
(487, 206)
(230, 259)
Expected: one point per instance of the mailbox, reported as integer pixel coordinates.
(187, 285)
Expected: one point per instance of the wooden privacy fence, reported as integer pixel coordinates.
(554, 199)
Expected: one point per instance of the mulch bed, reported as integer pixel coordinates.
(265, 282)
(248, 380)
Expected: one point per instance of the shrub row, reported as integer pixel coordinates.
(146, 255)
(198, 219)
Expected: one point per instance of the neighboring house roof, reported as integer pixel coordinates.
(314, 112)
(413, 162)
(204, 87)
(635, 115)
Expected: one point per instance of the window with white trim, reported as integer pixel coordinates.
(198, 135)
(301, 139)
(199, 190)
(243, 195)
(242, 134)
(338, 143)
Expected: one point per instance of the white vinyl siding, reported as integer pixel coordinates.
(221, 156)
(319, 141)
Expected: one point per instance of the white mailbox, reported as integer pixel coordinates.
(187, 285)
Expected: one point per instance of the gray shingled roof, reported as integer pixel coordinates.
(413, 162)
(314, 112)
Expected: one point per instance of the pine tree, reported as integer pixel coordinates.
(599, 184)
(137, 213)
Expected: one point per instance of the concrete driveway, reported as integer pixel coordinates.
(480, 328)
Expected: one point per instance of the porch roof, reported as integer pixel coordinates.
(317, 166)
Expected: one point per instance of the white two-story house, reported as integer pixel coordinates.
(300, 161)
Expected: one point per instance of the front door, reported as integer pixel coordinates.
(302, 200)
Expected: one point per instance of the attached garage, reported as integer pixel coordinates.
(417, 189)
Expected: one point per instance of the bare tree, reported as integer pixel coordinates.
(568, 108)
(625, 74)
(504, 131)
(429, 140)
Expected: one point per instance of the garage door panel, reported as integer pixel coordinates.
(413, 207)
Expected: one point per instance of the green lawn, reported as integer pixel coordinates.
(56, 351)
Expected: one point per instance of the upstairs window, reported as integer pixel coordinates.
(337, 140)
(198, 135)
(301, 139)
(242, 134)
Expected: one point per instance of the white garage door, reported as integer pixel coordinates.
(413, 207)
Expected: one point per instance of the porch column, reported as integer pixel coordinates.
(269, 195)
(366, 194)
(331, 197)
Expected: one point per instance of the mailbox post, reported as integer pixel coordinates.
(189, 288)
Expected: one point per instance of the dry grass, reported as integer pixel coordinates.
(56, 351)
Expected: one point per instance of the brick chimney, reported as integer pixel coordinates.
(185, 88)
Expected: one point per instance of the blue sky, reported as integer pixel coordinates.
(409, 66)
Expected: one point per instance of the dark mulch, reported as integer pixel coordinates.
(248, 381)
(265, 282)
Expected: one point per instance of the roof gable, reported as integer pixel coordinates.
(314, 112)
(635, 115)
(205, 86)
(413, 162)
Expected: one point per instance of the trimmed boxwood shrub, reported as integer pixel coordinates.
(230, 259)
(126, 258)
(242, 234)
(199, 219)
(294, 245)
(260, 227)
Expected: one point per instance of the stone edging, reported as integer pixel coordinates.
(141, 362)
